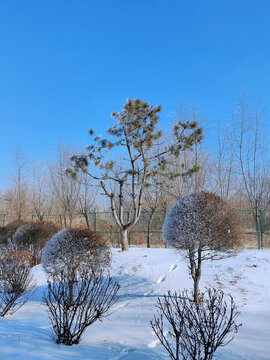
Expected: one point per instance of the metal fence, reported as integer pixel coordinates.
(263, 220)
(103, 223)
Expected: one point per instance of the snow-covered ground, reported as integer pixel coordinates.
(145, 274)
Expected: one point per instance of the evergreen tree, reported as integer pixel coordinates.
(142, 155)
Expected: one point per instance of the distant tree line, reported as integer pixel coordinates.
(155, 169)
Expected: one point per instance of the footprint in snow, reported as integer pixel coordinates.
(123, 353)
(119, 307)
(173, 267)
(161, 279)
(148, 293)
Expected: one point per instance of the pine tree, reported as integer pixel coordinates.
(137, 141)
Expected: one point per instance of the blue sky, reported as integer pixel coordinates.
(66, 65)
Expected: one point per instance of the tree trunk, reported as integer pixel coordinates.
(196, 281)
(259, 239)
(70, 216)
(258, 229)
(196, 275)
(149, 228)
(86, 220)
(71, 294)
(65, 220)
(124, 240)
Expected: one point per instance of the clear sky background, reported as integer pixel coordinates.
(65, 65)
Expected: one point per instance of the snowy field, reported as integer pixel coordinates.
(145, 274)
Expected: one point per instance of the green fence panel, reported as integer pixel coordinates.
(57, 218)
(104, 223)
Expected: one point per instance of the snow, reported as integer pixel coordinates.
(145, 274)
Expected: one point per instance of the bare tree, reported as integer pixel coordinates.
(16, 196)
(191, 167)
(41, 194)
(190, 172)
(86, 199)
(202, 226)
(223, 171)
(137, 136)
(252, 159)
(66, 189)
(195, 331)
(19, 160)
(153, 196)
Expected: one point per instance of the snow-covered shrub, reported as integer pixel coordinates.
(33, 236)
(203, 226)
(16, 284)
(7, 232)
(195, 331)
(74, 304)
(71, 249)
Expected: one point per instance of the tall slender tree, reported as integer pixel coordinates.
(66, 190)
(253, 159)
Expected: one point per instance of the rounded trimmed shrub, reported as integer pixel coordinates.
(71, 248)
(203, 221)
(7, 232)
(202, 226)
(33, 236)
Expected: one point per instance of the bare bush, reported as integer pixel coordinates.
(71, 249)
(17, 285)
(202, 226)
(20, 256)
(195, 331)
(33, 236)
(73, 305)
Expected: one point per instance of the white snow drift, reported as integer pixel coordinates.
(145, 274)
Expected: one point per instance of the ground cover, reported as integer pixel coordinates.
(144, 274)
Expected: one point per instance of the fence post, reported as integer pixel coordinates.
(261, 228)
(33, 217)
(60, 218)
(4, 220)
(95, 222)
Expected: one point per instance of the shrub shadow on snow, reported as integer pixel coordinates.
(39, 293)
(19, 340)
(132, 287)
